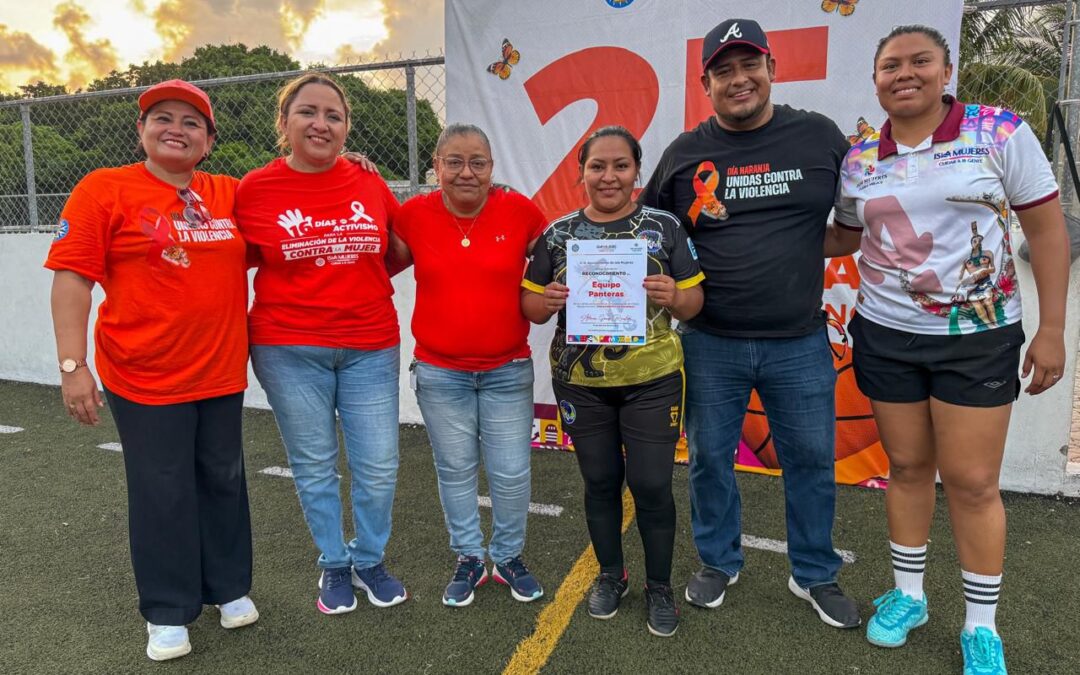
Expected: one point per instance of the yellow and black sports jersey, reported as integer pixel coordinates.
(670, 252)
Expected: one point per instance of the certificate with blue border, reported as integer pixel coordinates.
(607, 302)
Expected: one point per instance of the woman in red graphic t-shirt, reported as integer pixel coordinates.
(171, 351)
(324, 332)
(472, 372)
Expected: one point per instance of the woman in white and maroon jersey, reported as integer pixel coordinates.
(937, 333)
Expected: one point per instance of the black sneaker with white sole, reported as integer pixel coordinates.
(706, 588)
(663, 614)
(607, 592)
(830, 603)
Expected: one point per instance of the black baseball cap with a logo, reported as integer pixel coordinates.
(733, 33)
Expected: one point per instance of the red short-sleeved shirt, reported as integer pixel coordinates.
(320, 243)
(468, 299)
(172, 327)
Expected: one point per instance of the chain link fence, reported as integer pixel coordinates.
(1013, 53)
(47, 145)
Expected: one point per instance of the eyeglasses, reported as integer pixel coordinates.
(455, 164)
(195, 213)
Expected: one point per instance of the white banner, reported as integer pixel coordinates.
(539, 77)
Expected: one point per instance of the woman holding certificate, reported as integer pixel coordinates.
(616, 363)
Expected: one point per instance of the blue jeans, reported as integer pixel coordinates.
(796, 381)
(305, 386)
(486, 414)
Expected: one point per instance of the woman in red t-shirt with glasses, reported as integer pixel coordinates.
(472, 372)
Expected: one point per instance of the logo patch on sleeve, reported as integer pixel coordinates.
(61, 230)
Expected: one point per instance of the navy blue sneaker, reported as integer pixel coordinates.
(469, 574)
(523, 585)
(335, 592)
(383, 589)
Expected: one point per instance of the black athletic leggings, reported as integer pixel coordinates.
(188, 522)
(645, 419)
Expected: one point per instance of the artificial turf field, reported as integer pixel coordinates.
(69, 605)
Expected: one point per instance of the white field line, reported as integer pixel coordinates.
(538, 509)
(777, 546)
(282, 471)
(9, 430)
(114, 447)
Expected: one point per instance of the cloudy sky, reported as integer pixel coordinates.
(74, 41)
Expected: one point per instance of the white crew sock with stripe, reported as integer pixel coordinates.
(909, 565)
(981, 596)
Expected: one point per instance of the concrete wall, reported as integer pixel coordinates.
(1035, 455)
(29, 352)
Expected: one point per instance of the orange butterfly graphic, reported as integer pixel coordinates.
(510, 57)
(846, 7)
(863, 130)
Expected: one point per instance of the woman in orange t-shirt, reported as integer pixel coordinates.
(324, 333)
(171, 350)
(473, 374)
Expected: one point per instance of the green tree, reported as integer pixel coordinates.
(77, 135)
(1012, 58)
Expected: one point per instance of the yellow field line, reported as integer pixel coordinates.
(534, 651)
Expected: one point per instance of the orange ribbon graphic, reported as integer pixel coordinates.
(706, 194)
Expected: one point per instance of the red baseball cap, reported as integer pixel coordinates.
(178, 90)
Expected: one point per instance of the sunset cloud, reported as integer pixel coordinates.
(72, 42)
(21, 54)
(86, 59)
(414, 27)
(184, 25)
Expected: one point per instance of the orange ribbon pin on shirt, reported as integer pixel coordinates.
(706, 194)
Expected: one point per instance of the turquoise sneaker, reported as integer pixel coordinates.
(983, 653)
(896, 615)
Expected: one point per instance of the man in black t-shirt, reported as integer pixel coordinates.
(754, 186)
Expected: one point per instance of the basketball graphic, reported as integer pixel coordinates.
(855, 428)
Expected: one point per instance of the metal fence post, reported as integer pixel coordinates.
(410, 116)
(28, 163)
(1072, 114)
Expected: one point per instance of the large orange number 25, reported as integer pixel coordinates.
(626, 91)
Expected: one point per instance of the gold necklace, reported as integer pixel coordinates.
(464, 233)
(465, 243)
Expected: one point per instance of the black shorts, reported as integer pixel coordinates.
(647, 413)
(979, 370)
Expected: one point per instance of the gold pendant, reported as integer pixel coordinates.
(465, 242)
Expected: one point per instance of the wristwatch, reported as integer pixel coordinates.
(71, 365)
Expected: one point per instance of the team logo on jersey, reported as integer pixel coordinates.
(61, 230)
(869, 170)
(619, 4)
(971, 154)
(569, 414)
(654, 240)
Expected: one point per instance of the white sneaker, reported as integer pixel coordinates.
(167, 642)
(239, 612)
